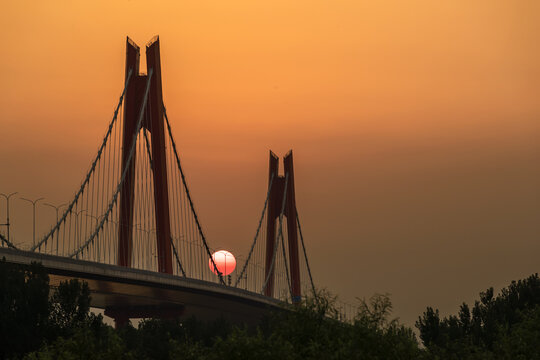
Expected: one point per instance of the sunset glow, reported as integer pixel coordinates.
(414, 124)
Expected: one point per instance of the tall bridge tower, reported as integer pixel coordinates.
(153, 123)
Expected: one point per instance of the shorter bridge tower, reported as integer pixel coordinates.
(282, 188)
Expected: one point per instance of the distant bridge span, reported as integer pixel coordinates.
(132, 293)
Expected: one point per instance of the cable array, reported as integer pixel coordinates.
(90, 177)
(194, 242)
(89, 227)
(305, 262)
(242, 272)
(253, 276)
(276, 242)
(114, 198)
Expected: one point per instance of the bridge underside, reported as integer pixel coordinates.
(131, 293)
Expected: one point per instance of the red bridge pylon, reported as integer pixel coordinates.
(275, 200)
(154, 124)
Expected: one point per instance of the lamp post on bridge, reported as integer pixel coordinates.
(147, 246)
(57, 208)
(7, 212)
(143, 244)
(107, 220)
(33, 202)
(98, 219)
(135, 243)
(77, 225)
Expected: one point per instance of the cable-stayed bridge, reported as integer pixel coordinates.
(132, 231)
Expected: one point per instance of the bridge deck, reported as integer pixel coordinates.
(115, 287)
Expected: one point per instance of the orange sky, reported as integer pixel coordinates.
(415, 126)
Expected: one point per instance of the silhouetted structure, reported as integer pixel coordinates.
(282, 201)
(134, 210)
(153, 122)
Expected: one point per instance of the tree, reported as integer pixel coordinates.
(498, 324)
(24, 307)
(70, 306)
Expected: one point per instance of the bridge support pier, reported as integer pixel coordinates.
(122, 314)
(274, 209)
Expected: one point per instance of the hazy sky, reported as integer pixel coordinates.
(415, 127)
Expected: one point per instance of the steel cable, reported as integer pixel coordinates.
(189, 198)
(124, 173)
(279, 234)
(256, 233)
(7, 242)
(90, 172)
(305, 254)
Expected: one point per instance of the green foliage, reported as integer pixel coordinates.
(70, 307)
(241, 344)
(522, 341)
(499, 327)
(36, 326)
(313, 331)
(84, 344)
(29, 319)
(309, 331)
(24, 308)
(379, 337)
(375, 312)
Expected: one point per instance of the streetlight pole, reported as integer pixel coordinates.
(7, 213)
(135, 244)
(151, 254)
(57, 208)
(77, 225)
(34, 202)
(97, 249)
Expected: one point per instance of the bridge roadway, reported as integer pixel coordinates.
(126, 293)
